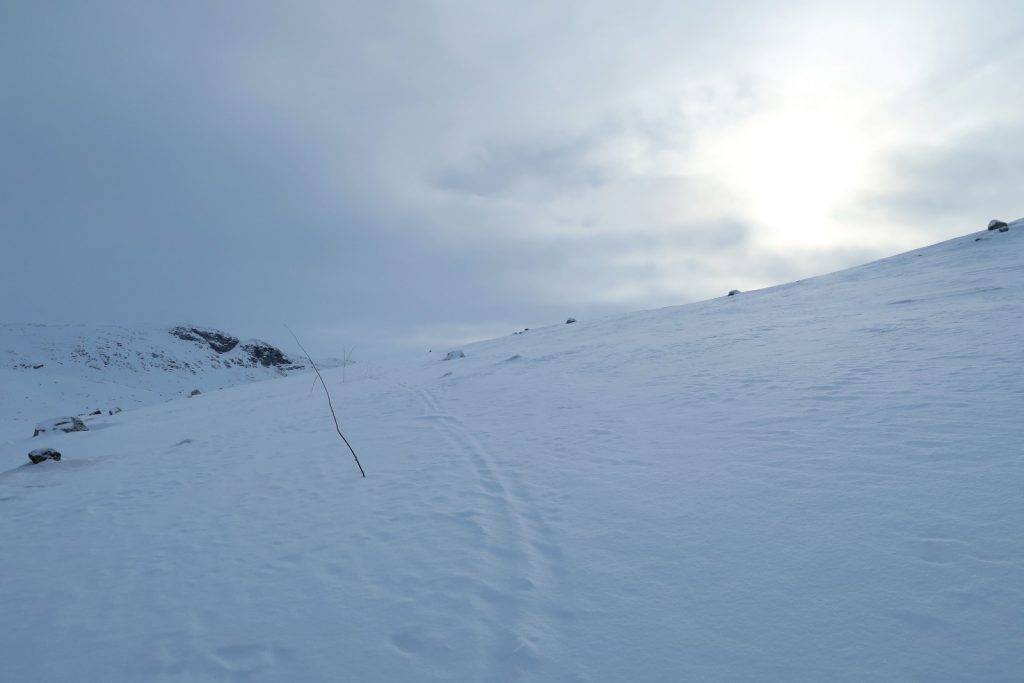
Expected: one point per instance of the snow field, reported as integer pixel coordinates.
(817, 481)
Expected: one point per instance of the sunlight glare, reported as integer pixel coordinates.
(792, 169)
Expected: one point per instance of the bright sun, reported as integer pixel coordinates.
(792, 169)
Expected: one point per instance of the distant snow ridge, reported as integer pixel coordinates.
(73, 369)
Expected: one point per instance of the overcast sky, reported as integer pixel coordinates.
(417, 174)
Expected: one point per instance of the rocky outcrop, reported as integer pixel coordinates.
(253, 353)
(60, 424)
(217, 340)
(266, 355)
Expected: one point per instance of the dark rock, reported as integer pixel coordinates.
(734, 292)
(62, 424)
(184, 334)
(1005, 228)
(41, 454)
(115, 410)
(195, 392)
(570, 321)
(265, 354)
(217, 340)
(452, 355)
(996, 224)
(96, 412)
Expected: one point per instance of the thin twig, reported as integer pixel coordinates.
(330, 404)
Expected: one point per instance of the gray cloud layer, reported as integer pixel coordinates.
(412, 174)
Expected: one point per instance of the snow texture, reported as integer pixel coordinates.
(820, 481)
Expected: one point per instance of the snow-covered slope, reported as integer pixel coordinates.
(817, 481)
(52, 370)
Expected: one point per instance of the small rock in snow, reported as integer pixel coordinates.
(996, 224)
(733, 292)
(452, 355)
(195, 392)
(570, 321)
(41, 454)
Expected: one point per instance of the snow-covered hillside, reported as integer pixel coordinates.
(51, 370)
(820, 481)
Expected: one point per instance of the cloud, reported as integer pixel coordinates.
(963, 180)
(382, 173)
(526, 170)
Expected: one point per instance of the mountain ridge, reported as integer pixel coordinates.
(49, 370)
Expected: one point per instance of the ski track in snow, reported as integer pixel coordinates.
(521, 548)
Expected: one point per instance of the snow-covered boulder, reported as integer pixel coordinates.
(452, 355)
(996, 224)
(62, 424)
(41, 454)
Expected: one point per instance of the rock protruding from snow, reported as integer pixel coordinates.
(195, 392)
(996, 224)
(266, 355)
(41, 454)
(220, 342)
(60, 424)
(570, 321)
(734, 292)
(452, 355)
(258, 352)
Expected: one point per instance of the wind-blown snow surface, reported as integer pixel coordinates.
(818, 481)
